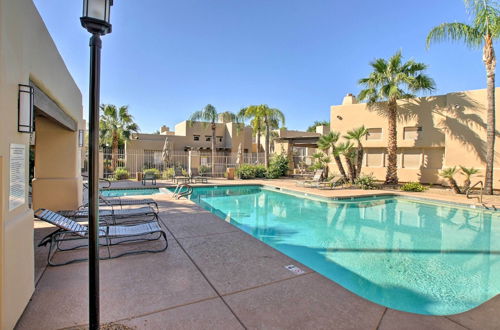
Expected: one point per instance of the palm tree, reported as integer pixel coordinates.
(270, 118)
(327, 142)
(357, 135)
(115, 127)
(390, 81)
(209, 116)
(485, 29)
(449, 173)
(468, 173)
(347, 150)
(317, 123)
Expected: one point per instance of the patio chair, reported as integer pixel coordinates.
(119, 201)
(149, 176)
(111, 213)
(331, 184)
(70, 230)
(178, 176)
(311, 183)
(196, 177)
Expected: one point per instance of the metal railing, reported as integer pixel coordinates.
(481, 193)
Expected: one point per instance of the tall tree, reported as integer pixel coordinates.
(484, 30)
(326, 143)
(317, 123)
(271, 118)
(357, 135)
(390, 81)
(209, 116)
(116, 126)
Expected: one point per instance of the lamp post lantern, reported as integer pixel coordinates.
(96, 19)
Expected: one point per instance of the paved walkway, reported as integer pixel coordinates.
(214, 276)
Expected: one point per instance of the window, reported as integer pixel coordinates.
(412, 159)
(219, 139)
(208, 138)
(411, 133)
(434, 158)
(196, 137)
(374, 134)
(152, 158)
(374, 157)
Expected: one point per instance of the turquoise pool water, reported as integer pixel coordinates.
(405, 254)
(128, 192)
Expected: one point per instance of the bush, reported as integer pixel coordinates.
(204, 170)
(121, 173)
(366, 182)
(154, 171)
(260, 171)
(278, 167)
(169, 173)
(246, 171)
(413, 186)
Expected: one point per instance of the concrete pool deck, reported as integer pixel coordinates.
(213, 275)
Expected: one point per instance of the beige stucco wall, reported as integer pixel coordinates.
(27, 52)
(453, 128)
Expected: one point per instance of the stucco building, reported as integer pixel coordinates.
(433, 133)
(29, 57)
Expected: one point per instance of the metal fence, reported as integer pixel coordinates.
(152, 159)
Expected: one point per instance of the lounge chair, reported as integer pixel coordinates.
(196, 177)
(119, 201)
(70, 230)
(111, 213)
(331, 184)
(178, 176)
(149, 176)
(311, 183)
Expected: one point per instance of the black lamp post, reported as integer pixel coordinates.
(96, 19)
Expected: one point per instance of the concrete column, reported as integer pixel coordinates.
(194, 160)
(57, 184)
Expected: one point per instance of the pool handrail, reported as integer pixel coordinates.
(474, 185)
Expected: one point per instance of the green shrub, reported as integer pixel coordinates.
(260, 171)
(278, 167)
(366, 182)
(153, 171)
(169, 173)
(121, 173)
(413, 186)
(246, 171)
(204, 170)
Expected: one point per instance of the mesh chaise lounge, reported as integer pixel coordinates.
(119, 201)
(311, 183)
(178, 176)
(196, 177)
(113, 214)
(70, 230)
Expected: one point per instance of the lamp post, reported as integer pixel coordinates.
(96, 19)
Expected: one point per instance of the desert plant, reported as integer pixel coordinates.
(413, 186)
(278, 167)
(169, 173)
(390, 81)
(204, 169)
(154, 171)
(366, 182)
(260, 171)
(357, 135)
(327, 142)
(468, 173)
(485, 29)
(245, 171)
(449, 174)
(349, 153)
(121, 173)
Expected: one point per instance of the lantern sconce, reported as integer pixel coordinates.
(81, 135)
(25, 103)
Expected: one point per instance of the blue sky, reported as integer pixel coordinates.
(166, 59)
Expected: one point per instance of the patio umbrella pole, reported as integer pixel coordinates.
(94, 91)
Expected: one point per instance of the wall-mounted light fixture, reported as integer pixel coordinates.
(25, 101)
(339, 117)
(81, 136)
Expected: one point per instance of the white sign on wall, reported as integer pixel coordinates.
(17, 168)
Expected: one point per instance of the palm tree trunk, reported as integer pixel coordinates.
(466, 184)
(359, 165)
(114, 150)
(454, 186)
(213, 149)
(352, 170)
(266, 151)
(392, 145)
(490, 62)
(258, 144)
(338, 161)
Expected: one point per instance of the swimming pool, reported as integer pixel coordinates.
(419, 257)
(129, 192)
